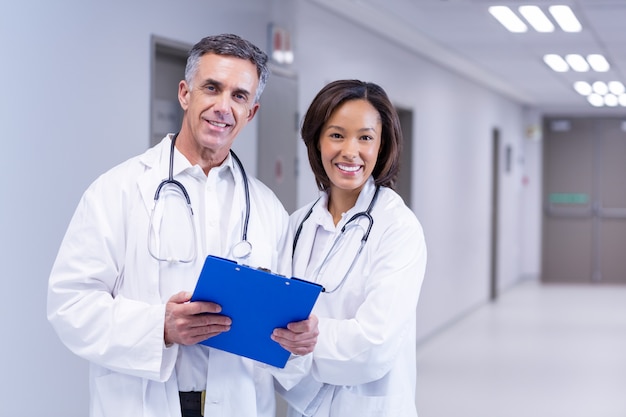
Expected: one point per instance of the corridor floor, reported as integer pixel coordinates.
(538, 351)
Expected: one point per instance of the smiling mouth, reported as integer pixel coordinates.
(349, 168)
(218, 124)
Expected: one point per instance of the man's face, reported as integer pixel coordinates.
(219, 101)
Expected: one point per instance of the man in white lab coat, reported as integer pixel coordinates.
(119, 291)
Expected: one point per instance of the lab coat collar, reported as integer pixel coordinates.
(321, 216)
(182, 164)
(157, 160)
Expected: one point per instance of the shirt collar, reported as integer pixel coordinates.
(321, 216)
(182, 165)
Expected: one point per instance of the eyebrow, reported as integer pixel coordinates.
(220, 86)
(363, 129)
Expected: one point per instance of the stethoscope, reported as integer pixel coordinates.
(367, 214)
(240, 250)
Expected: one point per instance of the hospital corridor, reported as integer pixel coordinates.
(509, 148)
(540, 350)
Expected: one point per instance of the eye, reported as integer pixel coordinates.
(367, 138)
(335, 135)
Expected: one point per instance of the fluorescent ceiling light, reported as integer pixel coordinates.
(611, 100)
(508, 19)
(565, 18)
(536, 18)
(598, 62)
(583, 88)
(577, 62)
(595, 100)
(555, 62)
(600, 87)
(616, 88)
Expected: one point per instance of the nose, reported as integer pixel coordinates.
(221, 105)
(350, 149)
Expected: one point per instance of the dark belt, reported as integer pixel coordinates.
(191, 401)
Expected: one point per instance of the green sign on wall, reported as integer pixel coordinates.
(569, 198)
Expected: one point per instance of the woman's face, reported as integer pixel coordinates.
(349, 144)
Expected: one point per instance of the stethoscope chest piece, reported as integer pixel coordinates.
(242, 249)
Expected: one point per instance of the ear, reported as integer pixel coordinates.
(252, 111)
(183, 94)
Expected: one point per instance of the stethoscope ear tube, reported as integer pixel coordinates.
(367, 213)
(242, 249)
(351, 222)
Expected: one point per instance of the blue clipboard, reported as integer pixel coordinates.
(258, 302)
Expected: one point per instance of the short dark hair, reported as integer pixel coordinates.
(229, 45)
(327, 100)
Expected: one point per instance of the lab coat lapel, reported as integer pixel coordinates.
(302, 252)
(238, 210)
(155, 172)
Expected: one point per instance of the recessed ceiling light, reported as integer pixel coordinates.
(583, 88)
(577, 62)
(598, 62)
(616, 88)
(555, 62)
(536, 18)
(611, 100)
(595, 100)
(565, 18)
(622, 100)
(600, 87)
(508, 19)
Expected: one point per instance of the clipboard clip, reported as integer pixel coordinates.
(269, 271)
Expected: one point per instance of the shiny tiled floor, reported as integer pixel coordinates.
(539, 351)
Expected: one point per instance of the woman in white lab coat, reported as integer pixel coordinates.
(364, 361)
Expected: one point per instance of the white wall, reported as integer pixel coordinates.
(75, 80)
(75, 101)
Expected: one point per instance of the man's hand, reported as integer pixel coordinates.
(299, 337)
(188, 323)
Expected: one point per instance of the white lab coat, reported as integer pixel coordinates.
(364, 361)
(105, 304)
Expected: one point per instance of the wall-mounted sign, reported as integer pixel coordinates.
(569, 198)
(280, 50)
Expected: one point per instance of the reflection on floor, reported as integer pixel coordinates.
(539, 351)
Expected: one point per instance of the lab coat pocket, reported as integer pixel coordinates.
(117, 395)
(348, 403)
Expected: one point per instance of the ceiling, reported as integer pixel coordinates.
(462, 35)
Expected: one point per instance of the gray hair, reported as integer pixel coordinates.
(229, 45)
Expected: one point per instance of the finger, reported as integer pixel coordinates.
(206, 320)
(201, 307)
(299, 348)
(180, 298)
(304, 326)
(202, 333)
(296, 336)
(288, 343)
(291, 341)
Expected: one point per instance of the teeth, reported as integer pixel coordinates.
(348, 168)
(218, 124)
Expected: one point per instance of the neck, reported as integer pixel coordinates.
(206, 158)
(340, 201)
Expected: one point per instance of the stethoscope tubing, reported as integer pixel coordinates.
(244, 245)
(367, 214)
